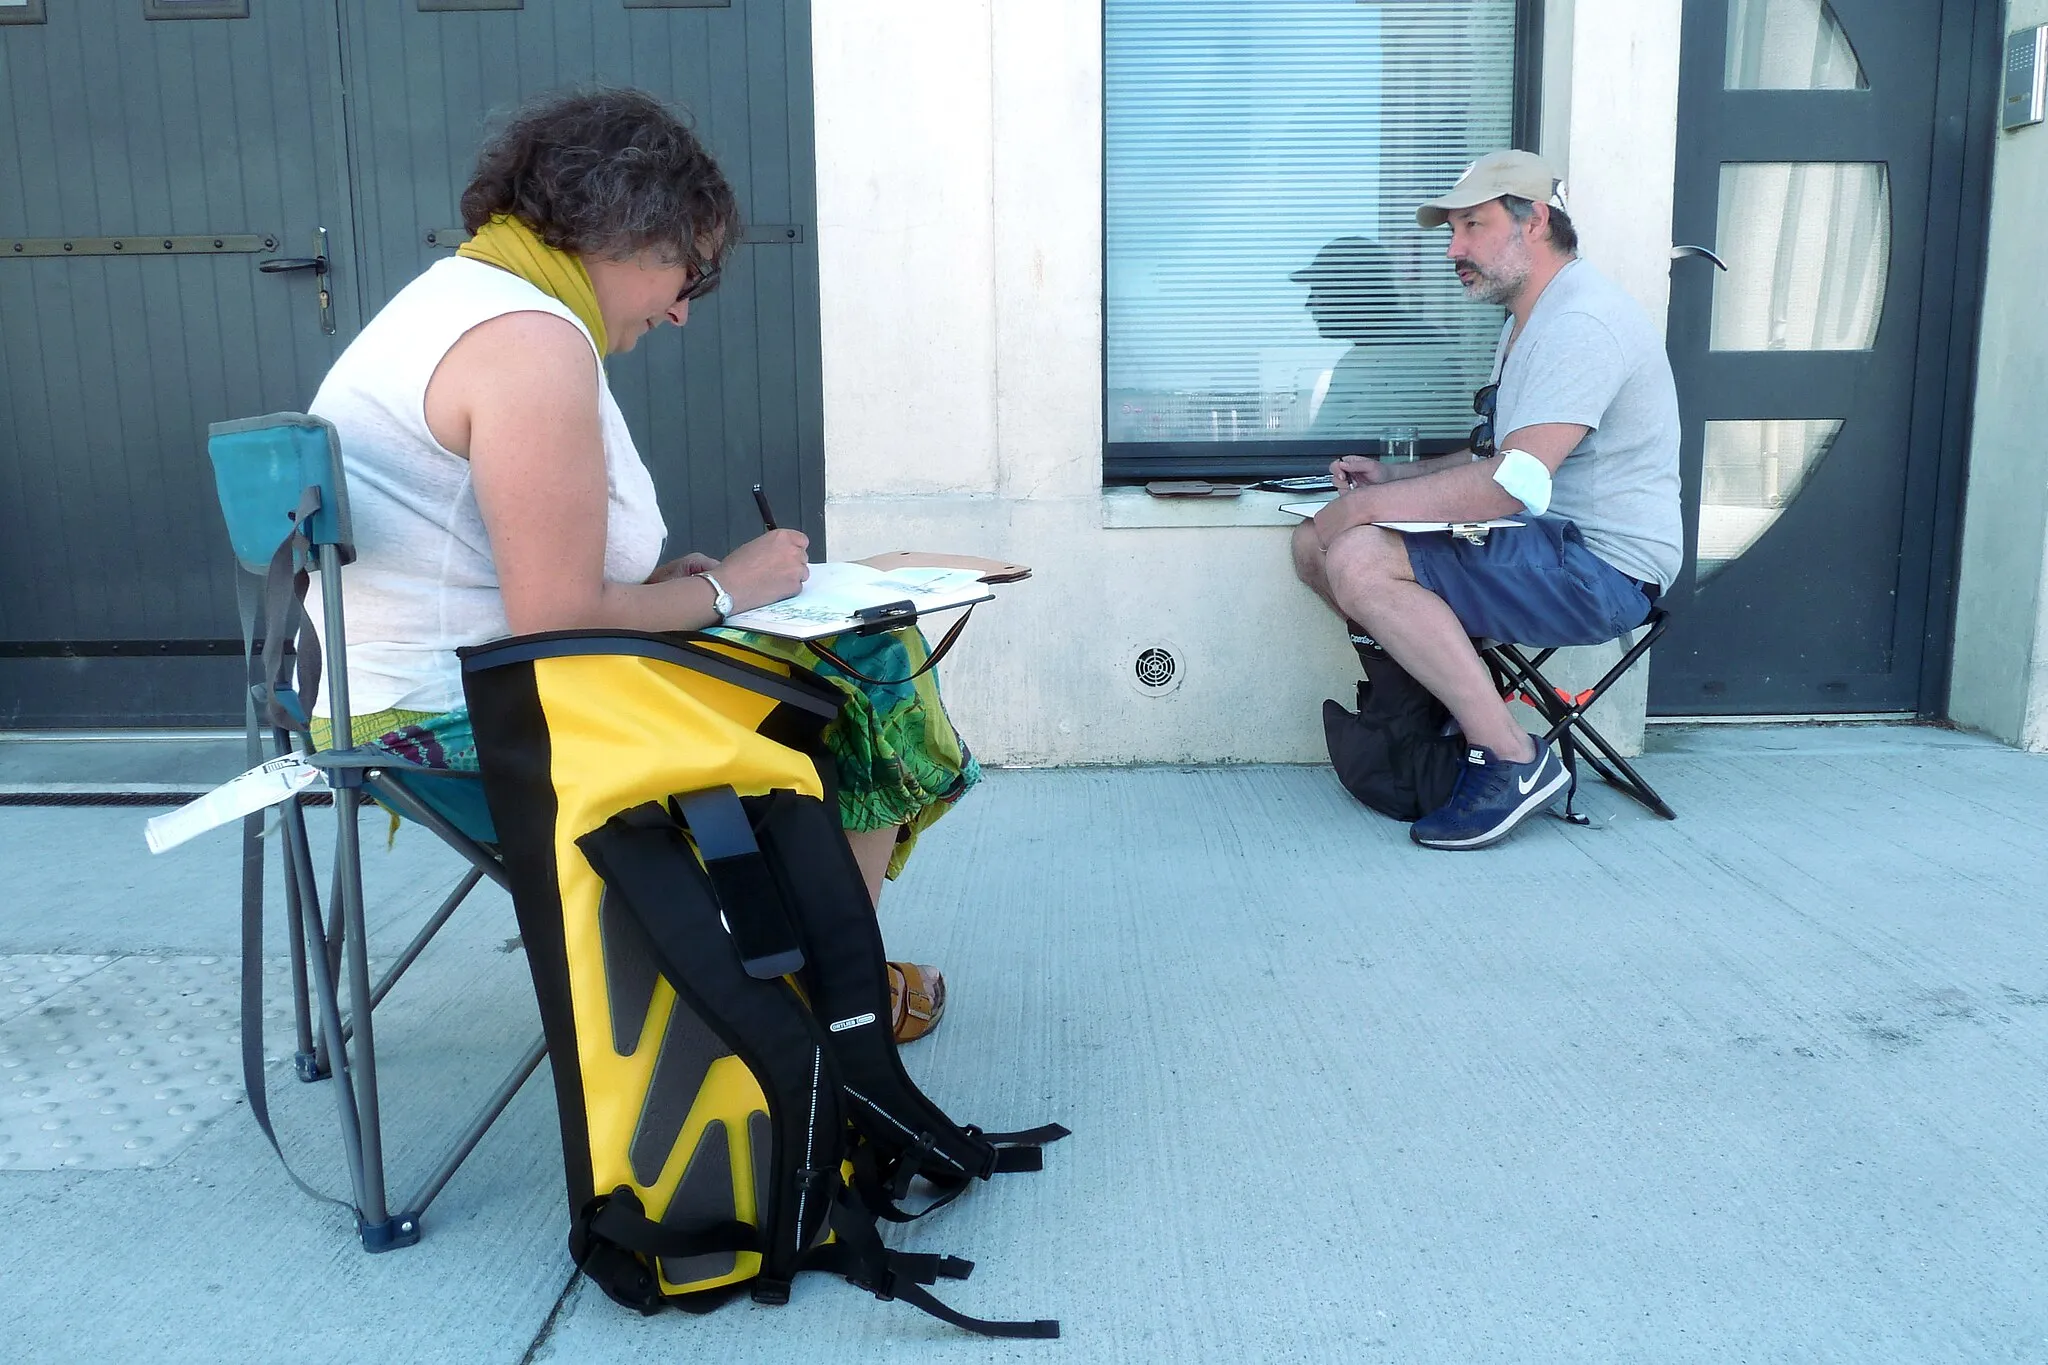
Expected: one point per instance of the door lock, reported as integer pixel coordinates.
(1679, 253)
(279, 265)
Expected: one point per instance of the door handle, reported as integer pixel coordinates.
(317, 263)
(1679, 253)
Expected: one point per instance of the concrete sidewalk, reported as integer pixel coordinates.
(1763, 1084)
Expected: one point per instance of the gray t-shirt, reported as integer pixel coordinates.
(1591, 356)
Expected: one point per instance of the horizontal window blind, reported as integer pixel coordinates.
(1267, 287)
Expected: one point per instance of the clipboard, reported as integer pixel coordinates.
(992, 570)
(1473, 531)
(854, 598)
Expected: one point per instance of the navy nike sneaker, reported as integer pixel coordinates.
(1491, 798)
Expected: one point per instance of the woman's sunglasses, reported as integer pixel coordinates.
(1482, 435)
(703, 279)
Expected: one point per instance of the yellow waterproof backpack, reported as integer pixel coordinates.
(710, 976)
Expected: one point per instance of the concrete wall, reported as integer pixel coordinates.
(960, 240)
(2000, 677)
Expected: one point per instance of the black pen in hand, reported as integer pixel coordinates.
(761, 501)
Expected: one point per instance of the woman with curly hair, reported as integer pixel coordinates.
(496, 490)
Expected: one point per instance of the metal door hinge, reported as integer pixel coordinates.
(137, 244)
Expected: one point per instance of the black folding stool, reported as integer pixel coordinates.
(1519, 677)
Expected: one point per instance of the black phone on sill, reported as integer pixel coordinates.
(1306, 483)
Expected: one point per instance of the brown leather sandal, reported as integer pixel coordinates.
(917, 1000)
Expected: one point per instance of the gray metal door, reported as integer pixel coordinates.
(116, 604)
(220, 138)
(731, 400)
(1825, 156)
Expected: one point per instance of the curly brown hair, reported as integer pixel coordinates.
(605, 173)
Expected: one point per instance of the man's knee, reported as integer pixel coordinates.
(1308, 556)
(1366, 558)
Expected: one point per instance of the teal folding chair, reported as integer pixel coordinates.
(286, 505)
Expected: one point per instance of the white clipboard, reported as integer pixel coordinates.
(1474, 531)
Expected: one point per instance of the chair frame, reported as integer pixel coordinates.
(1519, 677)
(326, 944)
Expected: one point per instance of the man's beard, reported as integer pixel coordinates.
(1501, 283)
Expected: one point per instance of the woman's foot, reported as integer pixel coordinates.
(917, 999)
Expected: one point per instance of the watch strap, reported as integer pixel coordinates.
(721, 600)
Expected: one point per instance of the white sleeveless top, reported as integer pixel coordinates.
(423, 582)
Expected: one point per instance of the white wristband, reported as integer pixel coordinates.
(1526, 479)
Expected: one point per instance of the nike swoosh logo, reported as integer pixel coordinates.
(1528, 784)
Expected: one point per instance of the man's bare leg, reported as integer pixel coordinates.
(1365, 576)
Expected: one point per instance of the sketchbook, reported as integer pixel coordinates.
(840, 597)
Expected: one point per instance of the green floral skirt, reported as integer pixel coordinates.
(900, 763)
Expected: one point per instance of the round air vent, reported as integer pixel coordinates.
(1156, 669)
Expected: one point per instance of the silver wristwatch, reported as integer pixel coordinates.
(721, 601)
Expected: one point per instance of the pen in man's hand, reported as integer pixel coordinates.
(761, 501)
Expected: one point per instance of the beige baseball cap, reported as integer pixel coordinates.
(1522, 174)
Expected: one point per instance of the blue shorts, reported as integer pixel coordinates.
(1533, 584)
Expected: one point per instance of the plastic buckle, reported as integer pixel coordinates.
(773, 1293)
(911, 1163)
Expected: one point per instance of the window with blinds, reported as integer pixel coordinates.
(1270, 301)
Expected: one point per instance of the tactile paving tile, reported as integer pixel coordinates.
(28, 981)
(122, 1066)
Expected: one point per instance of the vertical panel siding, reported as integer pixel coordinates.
(113, 366)
(734, 399)
(110, 368)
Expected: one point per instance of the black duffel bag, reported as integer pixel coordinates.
(1392, 753)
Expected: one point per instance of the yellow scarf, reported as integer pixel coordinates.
(511, 245)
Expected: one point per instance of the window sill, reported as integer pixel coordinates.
(1129, 509)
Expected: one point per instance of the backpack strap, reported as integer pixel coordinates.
(617, 1245)
(931, 661)
(846, 981)
(860, 1256)
(747, 890)
(1022, 1151)
(621, 1242)
(644, 857)
(284, 617)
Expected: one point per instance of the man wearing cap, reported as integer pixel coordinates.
(1586, 458)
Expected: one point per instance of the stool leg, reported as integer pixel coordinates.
(1568, 724)
(1629, 780)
